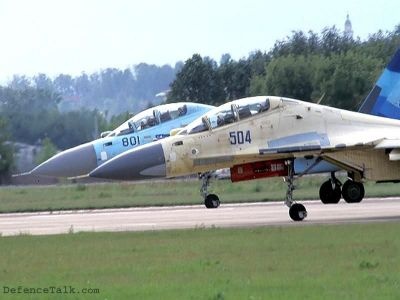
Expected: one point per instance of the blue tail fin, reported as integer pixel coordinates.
(384, 99)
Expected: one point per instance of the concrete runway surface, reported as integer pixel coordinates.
(179, 217)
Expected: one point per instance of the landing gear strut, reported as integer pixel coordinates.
(210, 200)
(297, 211)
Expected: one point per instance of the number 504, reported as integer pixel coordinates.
(239, 137)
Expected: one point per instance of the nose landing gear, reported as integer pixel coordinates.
(297, 211)
(210, 200)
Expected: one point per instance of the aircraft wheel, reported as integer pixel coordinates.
(329, 195)
(353, 192)
(297, 212)
(211, 201)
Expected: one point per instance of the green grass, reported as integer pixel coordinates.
(307, 262)
(169, 192)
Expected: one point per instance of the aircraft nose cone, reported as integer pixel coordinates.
(73, 162)
(140, 163)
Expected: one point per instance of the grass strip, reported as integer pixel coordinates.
(359, 261)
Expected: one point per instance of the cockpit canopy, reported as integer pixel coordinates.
(151, 117)
(229, 113)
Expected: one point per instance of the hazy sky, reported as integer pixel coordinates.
(71, 36)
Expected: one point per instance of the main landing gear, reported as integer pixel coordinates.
(353, 192)
(210, 200)
(332, 190)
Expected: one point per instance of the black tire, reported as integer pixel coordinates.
(329, 195)
(297, 212)
(353, 192)
(211, 201)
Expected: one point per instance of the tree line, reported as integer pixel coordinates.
(67, 111)
(110, 91)
(304, 66)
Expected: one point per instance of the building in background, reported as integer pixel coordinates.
(348, 29)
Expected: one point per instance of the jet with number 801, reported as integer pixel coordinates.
(145, 127)
(270, 136)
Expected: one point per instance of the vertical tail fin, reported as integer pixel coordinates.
(384, 99)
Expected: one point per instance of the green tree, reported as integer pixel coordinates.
(6, 151)
(74, 128)
(26, 112)
(48, 150)
(198, 81)
(117, 120)
(235, 78)
(347, 78)
(289, 76)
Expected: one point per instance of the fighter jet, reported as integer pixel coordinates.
(147, 126)
(269, 136)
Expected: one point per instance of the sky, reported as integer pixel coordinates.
(75, 36)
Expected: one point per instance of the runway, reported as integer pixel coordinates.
(197, 216)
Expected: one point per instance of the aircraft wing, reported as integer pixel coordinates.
(347, 157)
(388, 144)
(340, 155)
(293, 151)
(290, 150)
(316, 149)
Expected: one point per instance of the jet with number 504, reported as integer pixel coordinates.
(149, 125)
(274, 136)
